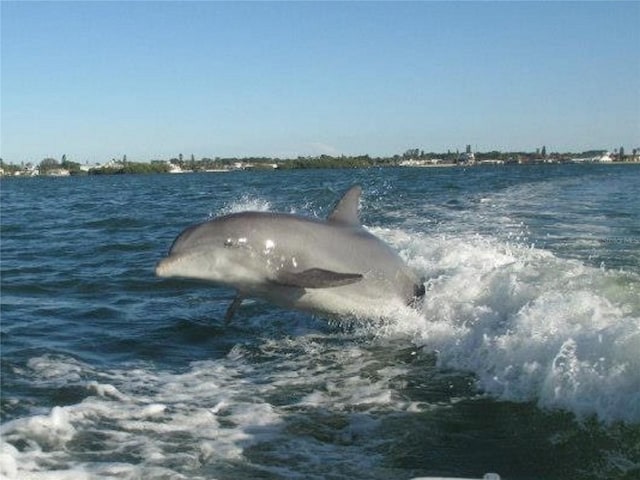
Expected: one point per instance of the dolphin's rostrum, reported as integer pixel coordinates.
(331, 266)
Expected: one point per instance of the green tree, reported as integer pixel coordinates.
(9, 168)
(72, 167)
(49, 164)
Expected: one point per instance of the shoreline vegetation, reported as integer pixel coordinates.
(415, 158)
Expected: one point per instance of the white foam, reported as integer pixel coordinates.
(155, 424)
(8, 464)
(45, 436)
(47, 368)
(529, 325)
(246, 203)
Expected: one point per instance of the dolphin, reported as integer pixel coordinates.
(331, 266)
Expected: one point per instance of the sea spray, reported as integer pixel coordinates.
(530, 325)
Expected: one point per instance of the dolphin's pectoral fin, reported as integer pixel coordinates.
(316, 278)
(232, 309)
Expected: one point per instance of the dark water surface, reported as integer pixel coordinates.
(524, 358)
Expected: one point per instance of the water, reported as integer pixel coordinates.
(524, 358)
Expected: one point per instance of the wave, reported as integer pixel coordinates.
(139, 421)
(529, 325)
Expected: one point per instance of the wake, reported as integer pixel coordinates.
(529, 325)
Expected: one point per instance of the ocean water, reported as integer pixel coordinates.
(524, 358)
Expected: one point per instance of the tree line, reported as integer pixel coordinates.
(51, 166)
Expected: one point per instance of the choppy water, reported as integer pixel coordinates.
(524, 359)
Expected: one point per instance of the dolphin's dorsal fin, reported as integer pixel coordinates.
(346, 210)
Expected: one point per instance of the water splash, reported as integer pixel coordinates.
(529, 325)
(246, 203)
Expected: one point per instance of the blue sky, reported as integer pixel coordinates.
(98, 80)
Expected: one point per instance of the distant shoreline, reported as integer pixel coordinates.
(447, 165)
(132, 168)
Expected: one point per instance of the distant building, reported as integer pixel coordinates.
(242, 165)
(58, 172)
(467, 157)
(601, 157)
(174, 167)
(492, 161)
